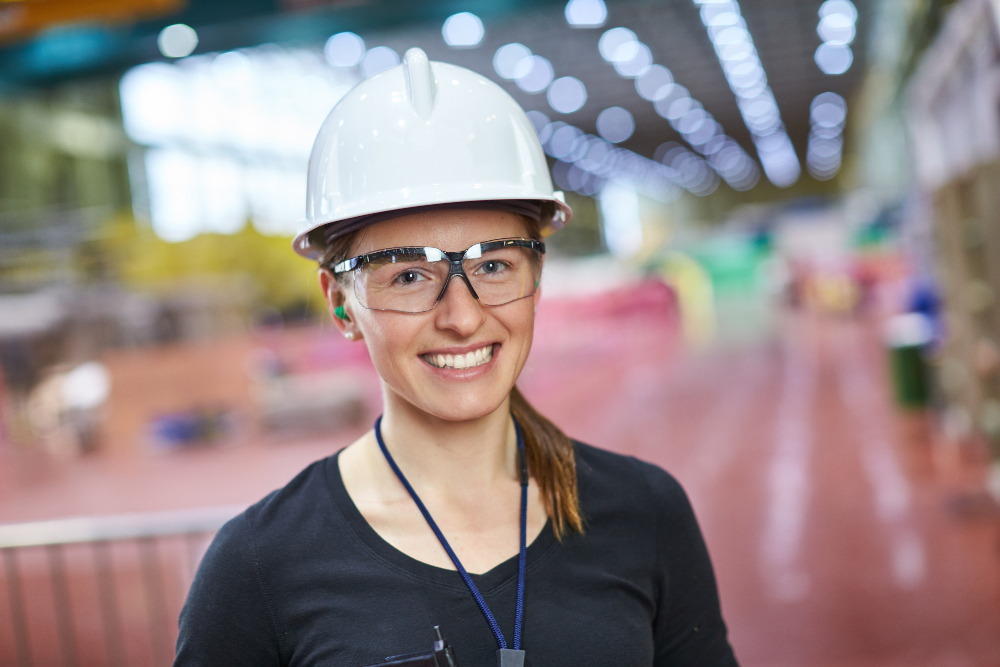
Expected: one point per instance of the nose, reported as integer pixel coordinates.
(458, 310)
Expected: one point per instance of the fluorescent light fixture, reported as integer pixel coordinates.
(462, 30)
(615, 124)
(542, 125)
(827, 113)
(611, 43)
(563, 141)
(567, 94)
(639, 62)
(378, 60)
(345, 49)
(655, 83)
(834, 58)
(537, 75)
(512, 60)
(621, 223)
(844, 7)
(734, 46)
(177, 40)
(586, 13)
(836, 29)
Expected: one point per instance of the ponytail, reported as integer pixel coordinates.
(552, 462)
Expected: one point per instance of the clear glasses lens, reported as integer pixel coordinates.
(410, 280)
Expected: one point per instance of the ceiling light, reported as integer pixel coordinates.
(666, 151)
(836, 29)
(679, 107)
(638, 64)
(726, 22)
(834, 58)
(378, 60)
(542, 125)
(562, 141)
(231, 67)
(826, 132)
(177, 41)
(538, 75)
(752, 90)
(598, 151)
(586, 13)
(737, 51)
(690, 121)
(655, 83)
(612, 40)
(567, 94)
(462, 30)
(724, 19)
(345, 49)
(845, 7)
(828, 109)
(580, 148)
(827, 115)
(703, 133)
(762, 105)
(615, 124)
(676, 92)
(733, 35)
(507, 58)
(711, 9)
(716, 144)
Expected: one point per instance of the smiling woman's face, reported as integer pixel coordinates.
(406, 348)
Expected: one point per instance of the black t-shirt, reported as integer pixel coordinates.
(300, 578)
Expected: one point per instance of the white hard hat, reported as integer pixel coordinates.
(423, 134)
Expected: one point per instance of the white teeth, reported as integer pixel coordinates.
(468, 360)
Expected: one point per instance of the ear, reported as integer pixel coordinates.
(333, 293)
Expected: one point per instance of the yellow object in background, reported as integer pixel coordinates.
(695, 297)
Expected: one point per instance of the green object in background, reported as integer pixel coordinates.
(911, 380)
(907, 337)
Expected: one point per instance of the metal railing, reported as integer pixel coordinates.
(67, 609)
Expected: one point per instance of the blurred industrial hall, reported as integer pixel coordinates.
(780, 284)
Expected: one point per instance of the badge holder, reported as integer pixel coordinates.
(441, 656)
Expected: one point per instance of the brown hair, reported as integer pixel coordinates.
(550, 452)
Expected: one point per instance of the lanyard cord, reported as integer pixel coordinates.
(521, 560)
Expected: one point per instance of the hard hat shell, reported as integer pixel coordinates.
(420, 134)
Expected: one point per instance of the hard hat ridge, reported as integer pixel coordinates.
(420, 82)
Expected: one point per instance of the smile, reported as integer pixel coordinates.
(468, 360)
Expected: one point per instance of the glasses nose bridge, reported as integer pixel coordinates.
(455, 268)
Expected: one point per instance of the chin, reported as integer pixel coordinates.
(463, 408)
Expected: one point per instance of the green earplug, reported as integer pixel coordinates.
(340, 313)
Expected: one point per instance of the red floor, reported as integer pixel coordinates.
(831, 520)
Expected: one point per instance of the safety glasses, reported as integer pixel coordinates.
(414, 279)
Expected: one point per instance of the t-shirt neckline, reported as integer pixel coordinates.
(503, 574)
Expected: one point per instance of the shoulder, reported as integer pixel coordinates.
(603, 473)
(238, 538)
(294, 504)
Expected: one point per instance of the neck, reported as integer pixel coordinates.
(452, 457)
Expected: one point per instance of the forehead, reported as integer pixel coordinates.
(450, 230)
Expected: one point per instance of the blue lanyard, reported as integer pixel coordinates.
(519, 614)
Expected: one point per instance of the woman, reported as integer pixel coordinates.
(464, 508)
